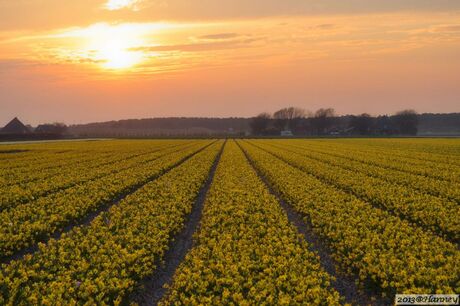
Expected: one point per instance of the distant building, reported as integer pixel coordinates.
(286, 133)
(15, 127)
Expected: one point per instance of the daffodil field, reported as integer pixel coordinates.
(246, 250)
(229, 222)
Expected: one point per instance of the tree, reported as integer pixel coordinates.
(280, 120)
(323, 120)
(51, 128)
(384, 125)
(260, 124)
(406, 122)
(289, 118)
(362, 124)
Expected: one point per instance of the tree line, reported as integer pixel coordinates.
(56, 128)
(325, 122)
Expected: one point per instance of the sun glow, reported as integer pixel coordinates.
(114, 5)
(114, 53)
(111, 46)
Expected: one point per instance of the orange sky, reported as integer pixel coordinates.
(88, 60)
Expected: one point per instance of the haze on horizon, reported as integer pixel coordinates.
(97, 60)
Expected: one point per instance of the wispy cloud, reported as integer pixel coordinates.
(220, 36)
(201, 47)
(325, 26)
(447, 28)
(15, 63)
(114, 5)
(145, 47)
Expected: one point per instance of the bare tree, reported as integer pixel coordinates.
(406, 122)
(289, 117)
(260, 124)
(323, 120)
(280, 119)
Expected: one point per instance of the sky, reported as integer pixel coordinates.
(98, 60)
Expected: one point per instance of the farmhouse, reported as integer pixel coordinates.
(15, 127)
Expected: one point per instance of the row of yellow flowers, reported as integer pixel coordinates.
(380, 248)
(101, 263)
(361, 161)
(246, 252)
(16, 160)
(24, 224)
(15, 156)
(439, 150)
(435, 165)
(36, 182)
(437, 214)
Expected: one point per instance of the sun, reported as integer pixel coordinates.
(115, 54)
(111, 46)
(114, 46)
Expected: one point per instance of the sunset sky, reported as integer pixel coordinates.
(96, 60)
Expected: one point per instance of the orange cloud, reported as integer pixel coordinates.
(114, 5)
(146, 49)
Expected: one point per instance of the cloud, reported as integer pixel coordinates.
(447, 29)
(35, 14)
(220, 36)
(325, 26)
(201, 47)
(115, 5)
(9, 64)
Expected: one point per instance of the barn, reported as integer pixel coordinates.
(15, 127)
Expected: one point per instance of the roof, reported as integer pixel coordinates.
(15, 126)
